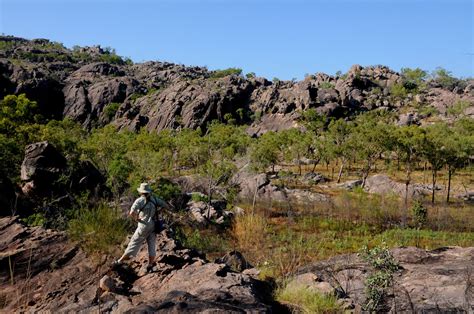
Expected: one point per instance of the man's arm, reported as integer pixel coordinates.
(136, 207)
(163, 204)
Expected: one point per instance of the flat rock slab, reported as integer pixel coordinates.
(441, 280)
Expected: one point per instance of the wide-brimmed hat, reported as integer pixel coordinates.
(144, 188)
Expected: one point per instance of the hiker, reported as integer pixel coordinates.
(144, 211)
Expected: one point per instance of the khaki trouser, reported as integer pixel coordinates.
(142, 233)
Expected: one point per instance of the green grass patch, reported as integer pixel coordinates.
(305, 300)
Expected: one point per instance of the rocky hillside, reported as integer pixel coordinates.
(95, 87)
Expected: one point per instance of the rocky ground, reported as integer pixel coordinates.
(438, 281)
(41, 270)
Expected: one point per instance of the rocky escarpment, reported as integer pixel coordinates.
(94, 87)
(41, 271)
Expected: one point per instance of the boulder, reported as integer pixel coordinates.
(382, 184)
(408, 119)
(235, 261)
(41, 167)
(86, 177)
(350, 185)
(315, 178)
(203, 213)
(467, 197)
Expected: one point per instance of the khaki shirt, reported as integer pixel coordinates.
(146, 209)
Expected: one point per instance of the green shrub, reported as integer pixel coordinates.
(420, 214)
(197, 197)
(250, 75)
(166, 189)
(458, 108)
(36, 219)
(377, 283)
(444, 78)
(111, 109)
(326, 85)
(99, 230)
(226, 72)
(398, 91)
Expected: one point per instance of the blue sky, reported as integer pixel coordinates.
(279, 38)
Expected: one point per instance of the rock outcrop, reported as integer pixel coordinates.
(41, 271)
(382, 184)
(428, 281)
(41, 167)
(94, 87)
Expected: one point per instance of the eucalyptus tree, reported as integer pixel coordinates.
(410, 141)
(338, 136)
(434, 151)
(458, 148)
(370, 138)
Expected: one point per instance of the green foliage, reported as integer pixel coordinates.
(104, 145)
(7, 45)
(250, 75)
(15, 111)
(326, 85)
(229, 118)
(166, 189)
(226, 72)
(199, 197)
(10, 156)
(444, 78)
(398, 91)
(241, 114)
(36, 219)
(376, 284)
(266, 151)
(228, 139)
(414, 79)
(99, 230)
(420, 214)
(314, 121)
(118, 173)
(457, 110)
(110, 110)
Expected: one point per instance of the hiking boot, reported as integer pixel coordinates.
(149, 268)
(115, 264)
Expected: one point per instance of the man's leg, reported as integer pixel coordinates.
(133, 246)
(151, 242)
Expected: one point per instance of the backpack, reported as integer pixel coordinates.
(159, 226)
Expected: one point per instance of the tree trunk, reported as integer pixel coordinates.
(407, 184)
(315, 164)
(450, 172)
(254, 197)
(366, 173)
(433, 172)
(340, 171)
(424, 172)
